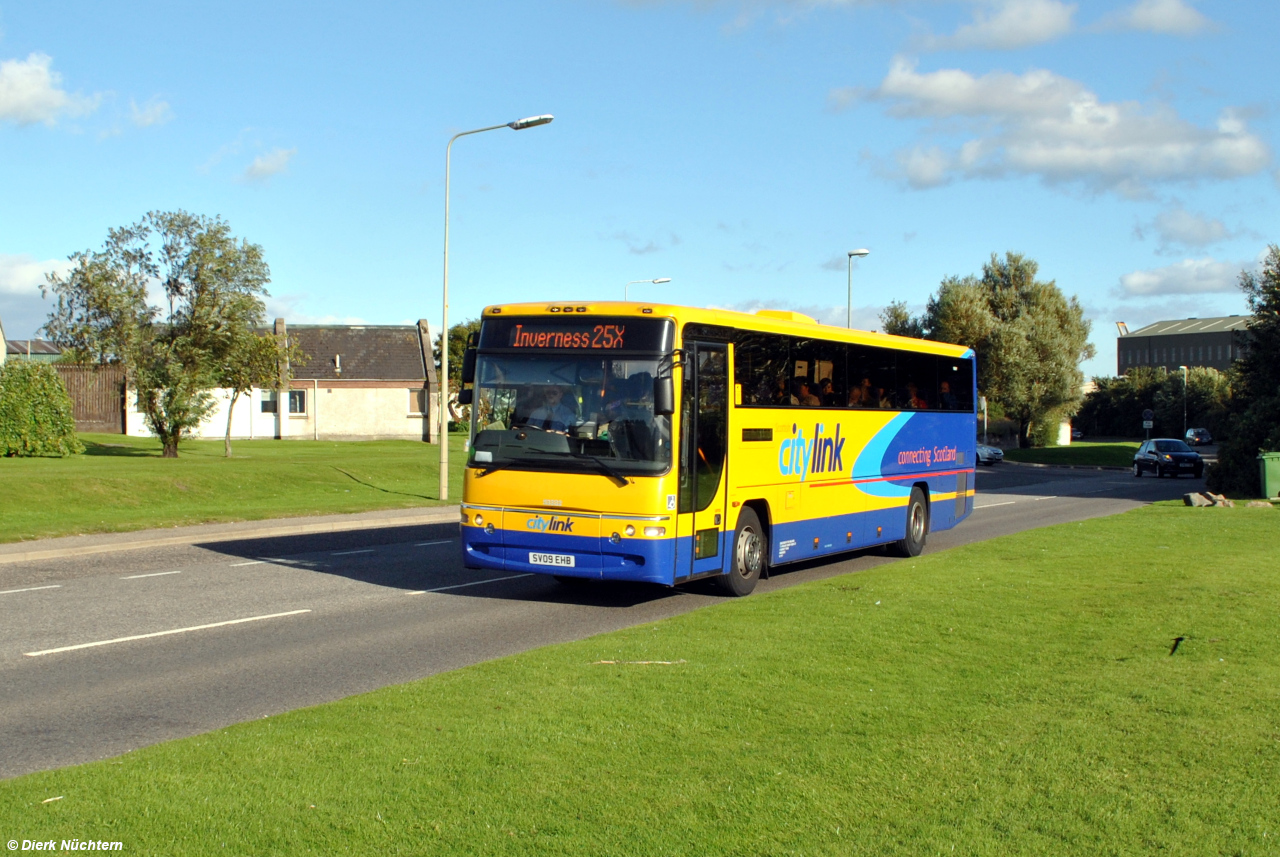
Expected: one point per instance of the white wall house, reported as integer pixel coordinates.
(366, 382)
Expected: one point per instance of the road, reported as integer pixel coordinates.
(104, 654)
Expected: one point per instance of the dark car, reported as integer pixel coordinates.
(1167, 457)
(1198, 437)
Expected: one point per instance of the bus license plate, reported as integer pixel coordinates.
(560, 560)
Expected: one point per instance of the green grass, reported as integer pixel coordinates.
(122, 483)
(1109, 454)
(1013, 697)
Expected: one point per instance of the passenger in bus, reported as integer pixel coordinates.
(915, 401)
(827, 393)
(553, 414)
(800, 394)
(782, 395)
(883, 398)
(855, 397)
(946, 398)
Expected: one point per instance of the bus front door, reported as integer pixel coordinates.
(704, 420)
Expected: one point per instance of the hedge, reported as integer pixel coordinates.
(35, 412)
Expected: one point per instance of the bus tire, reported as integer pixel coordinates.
(749, 556)
(917, 526)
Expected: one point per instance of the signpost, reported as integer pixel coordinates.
(1148, 421)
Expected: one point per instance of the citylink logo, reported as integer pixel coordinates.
(555, 525)
(800, 456)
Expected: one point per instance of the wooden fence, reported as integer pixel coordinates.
(97, 396)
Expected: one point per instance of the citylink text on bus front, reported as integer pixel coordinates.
(798, 455)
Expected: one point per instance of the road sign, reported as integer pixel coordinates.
(1148, 415)
(1146, 424)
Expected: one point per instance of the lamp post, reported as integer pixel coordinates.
(848, 318)
(633, 282)
(517, 125)
(1184, 401)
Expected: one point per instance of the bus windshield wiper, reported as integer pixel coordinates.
(606, 469)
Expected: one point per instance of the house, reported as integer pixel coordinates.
(1211, 342)
(41, 350)
(358, 382)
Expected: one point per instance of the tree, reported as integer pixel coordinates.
(213, 285)
(254, 359)
(458, 335)
(1029, 339)
(897, 320)
(1255, 407)
(1114, 408)
(35, 412)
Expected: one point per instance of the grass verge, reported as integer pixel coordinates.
(1022, 696)
(122, 483)
(1082, 453)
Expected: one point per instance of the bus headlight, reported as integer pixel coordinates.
(654, 532)
(630, 530)
(479, 520)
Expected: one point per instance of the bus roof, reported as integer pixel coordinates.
(768, 320)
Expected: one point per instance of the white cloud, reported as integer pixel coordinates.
(268, 165)
(1188, 277)
(1009, 24)
(1045, 125)
(1171, 17)
(1178, 227)
(154, 112)
(23, 275)
(30, 92)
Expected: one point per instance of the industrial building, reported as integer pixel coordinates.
(1211, 342)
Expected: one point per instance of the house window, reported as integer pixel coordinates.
(297, 402)
(417, 402)
(268, 401)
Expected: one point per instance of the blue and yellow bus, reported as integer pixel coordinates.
(647, 442)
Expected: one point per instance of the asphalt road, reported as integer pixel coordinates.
(104, 654)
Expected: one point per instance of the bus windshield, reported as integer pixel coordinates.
(587, 413)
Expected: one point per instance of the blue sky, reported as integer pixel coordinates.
(738, 147)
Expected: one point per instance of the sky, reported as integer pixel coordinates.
(740, 148)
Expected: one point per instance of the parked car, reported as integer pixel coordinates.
(1076, 434)
(989, 455)
(1167, 456)
(1198, 437)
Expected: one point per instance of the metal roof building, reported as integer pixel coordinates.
(1212, 342)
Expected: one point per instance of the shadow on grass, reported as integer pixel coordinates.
(118, 450)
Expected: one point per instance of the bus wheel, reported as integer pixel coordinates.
(750, 548)
(917, 526)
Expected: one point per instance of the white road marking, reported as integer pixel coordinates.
(155, 574)
(429, 544)
(31, 589)
(472, 583)
(348, 553)
(162, 633)
(253, 562)
(1050, 497)
(993, 505)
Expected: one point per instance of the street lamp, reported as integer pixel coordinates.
(518, 125)
(633, 282)
(1184, 401)
(848, 318)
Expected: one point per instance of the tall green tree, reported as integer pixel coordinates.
(1029, 337)
(1255, 409)
(212, 286)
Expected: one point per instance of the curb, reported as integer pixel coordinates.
(71, 546)
(1069, 466)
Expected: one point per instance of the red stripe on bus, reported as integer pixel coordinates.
(887, 478)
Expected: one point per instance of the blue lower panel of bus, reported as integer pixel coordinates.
(510, 550)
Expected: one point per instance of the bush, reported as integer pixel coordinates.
(35, 412)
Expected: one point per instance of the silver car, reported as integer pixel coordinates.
(989, 455)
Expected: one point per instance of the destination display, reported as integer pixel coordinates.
(538, 333)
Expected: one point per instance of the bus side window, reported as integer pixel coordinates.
(760, 366)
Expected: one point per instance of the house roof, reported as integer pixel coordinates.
(365, 352)
(38, 346)
(1222, 324)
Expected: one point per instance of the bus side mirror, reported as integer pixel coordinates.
(464, 396)
(664, 396)
(469, 366)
